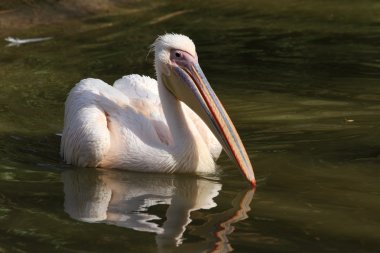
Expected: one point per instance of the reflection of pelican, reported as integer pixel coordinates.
(127, 200)
(140, 124)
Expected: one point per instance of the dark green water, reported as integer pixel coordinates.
(301, 81)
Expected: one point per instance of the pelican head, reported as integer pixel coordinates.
(176, 64)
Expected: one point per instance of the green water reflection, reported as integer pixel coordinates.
(300, 79)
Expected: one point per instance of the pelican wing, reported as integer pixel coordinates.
(101, 121)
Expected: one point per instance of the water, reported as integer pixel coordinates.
(300, 80)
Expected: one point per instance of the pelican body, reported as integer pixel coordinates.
(175, 124)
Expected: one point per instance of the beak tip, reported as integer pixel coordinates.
(253, 183)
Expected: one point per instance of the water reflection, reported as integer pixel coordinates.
(136, 200)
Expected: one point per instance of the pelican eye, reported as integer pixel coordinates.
(178, 54)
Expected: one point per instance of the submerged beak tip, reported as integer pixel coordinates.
(253, 183)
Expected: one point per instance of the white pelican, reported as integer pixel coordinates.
(176, 124)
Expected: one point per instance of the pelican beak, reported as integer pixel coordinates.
(189, 84)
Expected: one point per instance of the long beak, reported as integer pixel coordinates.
(207, 105)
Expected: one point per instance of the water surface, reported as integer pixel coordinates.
(300, 80)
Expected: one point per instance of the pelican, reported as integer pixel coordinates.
(175, 124)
